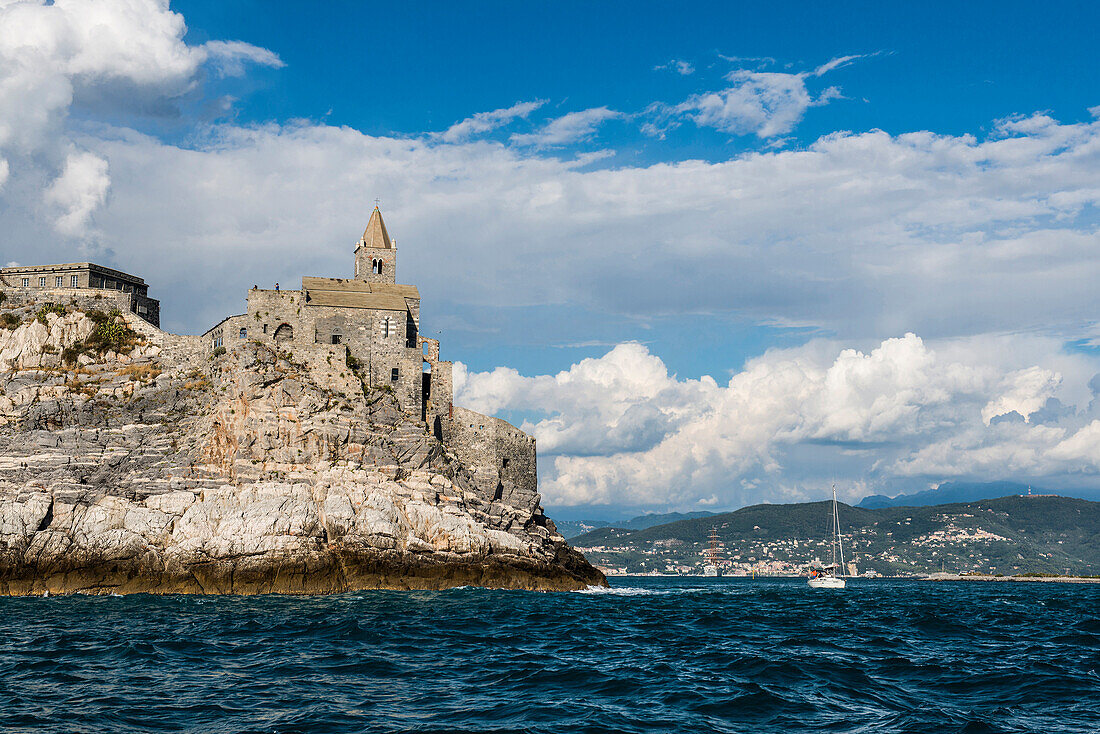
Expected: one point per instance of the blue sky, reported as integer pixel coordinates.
(708, 254)
(408, 68)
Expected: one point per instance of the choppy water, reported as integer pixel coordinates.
(658, 655)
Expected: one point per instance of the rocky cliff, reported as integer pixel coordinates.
(132, 460)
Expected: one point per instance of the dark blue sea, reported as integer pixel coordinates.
(650, 655)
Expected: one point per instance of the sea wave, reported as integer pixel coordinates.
(621, 591)
(727, 655)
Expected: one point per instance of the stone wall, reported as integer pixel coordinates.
(378, 339)
(86, 299)
(135, 300)
(501, 457)
(439, 387)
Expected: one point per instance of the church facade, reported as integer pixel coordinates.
(375, 319)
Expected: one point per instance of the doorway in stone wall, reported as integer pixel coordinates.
(284, 333)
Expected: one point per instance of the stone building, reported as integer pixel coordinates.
(69, 280)
(372, 323)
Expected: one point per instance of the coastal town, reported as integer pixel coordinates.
(926, 540)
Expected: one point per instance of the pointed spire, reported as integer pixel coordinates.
(375, 235)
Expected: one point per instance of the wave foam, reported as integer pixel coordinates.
(620, 591)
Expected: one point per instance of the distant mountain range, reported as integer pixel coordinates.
(969, 492)
(573, 528)
(946, 493)
(1007, 535)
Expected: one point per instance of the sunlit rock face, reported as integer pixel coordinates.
(159, 468)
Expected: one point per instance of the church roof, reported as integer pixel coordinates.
(346, 293)
(375, 235)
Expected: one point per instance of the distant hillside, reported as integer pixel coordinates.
(574, 528)
(968, 492)
(1006, 535)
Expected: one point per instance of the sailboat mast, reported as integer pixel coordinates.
(836, 535)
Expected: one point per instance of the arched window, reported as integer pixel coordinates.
(284, 333)
(380, 267)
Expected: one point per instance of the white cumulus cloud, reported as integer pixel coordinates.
(78, 191)
(620, 429)
(55, 56)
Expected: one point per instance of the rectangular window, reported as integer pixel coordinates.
(74, 281)
(335, 338)
(244, 333)
(26, 282)
(265, 328)
(393, 375)
(142, 310)
(42, 282)
(57, 281)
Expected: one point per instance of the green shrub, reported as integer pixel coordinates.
(9, 321)
(354, 363)
(110, 334)
(219, 351)
(3, 296)
(49, 308)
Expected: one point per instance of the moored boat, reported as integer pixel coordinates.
(830, 575)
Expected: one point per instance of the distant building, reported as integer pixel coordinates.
(62, 280)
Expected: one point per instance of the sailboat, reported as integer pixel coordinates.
(831, 575)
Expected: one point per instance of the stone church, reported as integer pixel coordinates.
(373, 322)
(375, 319)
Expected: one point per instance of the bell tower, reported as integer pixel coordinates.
(375, 253)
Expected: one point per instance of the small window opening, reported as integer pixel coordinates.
(337, 339)
(393, 375)
(74, 282)
(57, 281)
(244, 333)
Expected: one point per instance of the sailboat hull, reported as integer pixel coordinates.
(827, 582)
